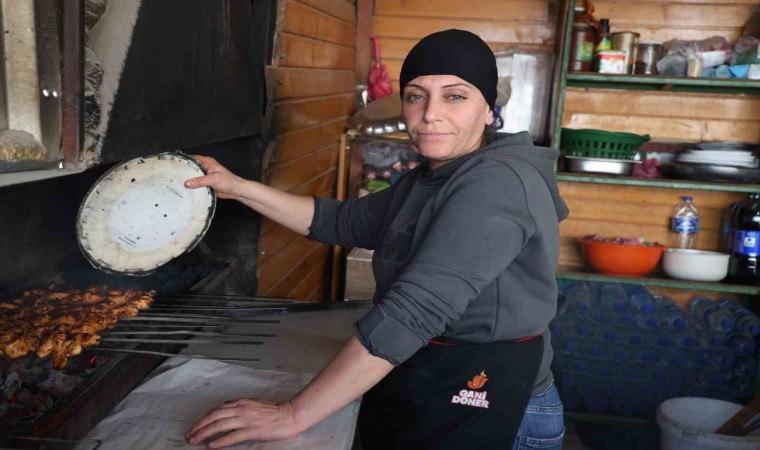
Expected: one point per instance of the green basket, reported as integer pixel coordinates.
(600, 144)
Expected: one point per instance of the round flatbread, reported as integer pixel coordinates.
(138, 216)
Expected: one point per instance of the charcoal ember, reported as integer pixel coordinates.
(58, 383)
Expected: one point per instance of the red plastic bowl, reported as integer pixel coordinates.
(621, 259)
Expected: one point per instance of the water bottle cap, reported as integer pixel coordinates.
(600, 316)
(651, 322)
(689, 342)
(754, 330)
(686, 198)
(727, 324)
(636, 340)
(663, 342)
(584, 330)
(619, 307)
(647, 308)
(679, 323)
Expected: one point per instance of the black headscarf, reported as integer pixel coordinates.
(453, 52)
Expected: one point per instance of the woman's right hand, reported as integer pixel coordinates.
(225, 183)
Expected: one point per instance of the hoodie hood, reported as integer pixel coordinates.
(520, 145)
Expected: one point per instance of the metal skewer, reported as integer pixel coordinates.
(196, 319)
(159, 326)
(185, 332)
(231, 298)
(170, 355)
(178, 341)
(183, 315)
(169, 308)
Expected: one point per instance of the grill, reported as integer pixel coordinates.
(47, 408)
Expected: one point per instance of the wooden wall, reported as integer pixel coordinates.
(663, 115)
(612, 210)
(501, 23)
(311, 82)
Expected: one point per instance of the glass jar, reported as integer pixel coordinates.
(647, 55)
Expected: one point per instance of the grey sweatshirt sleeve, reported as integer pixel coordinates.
(482, 225)
(351, 223)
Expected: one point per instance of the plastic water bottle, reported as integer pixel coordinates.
(747, 323)
(684, 225)
(741, 345)
(721, 358)
(621, 319)
(598, 317)
(613, 297)
(662, 339)
(671, 358)
(745, 367)
(594, 350)
(705, 310)
(710, 339)
(647, 321)
(578, 298)
(669, 312)
(645, 355)
(632, 337)
(641, 299)
(685, 338)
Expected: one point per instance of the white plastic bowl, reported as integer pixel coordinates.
(695, 265)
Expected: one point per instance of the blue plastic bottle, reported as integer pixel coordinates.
(685, 338)
(641, 299)
(710, 339)
(741, 345)
(708, 312)
(621, 319)
(633, 337)
(647, 321)
(613, 297)
(747, 322)
(745, 367)
(578, 298)
(669, 312)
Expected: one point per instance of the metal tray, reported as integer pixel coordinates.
(723, 174)
(580, 164)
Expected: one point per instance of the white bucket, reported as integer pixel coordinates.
(688, 423)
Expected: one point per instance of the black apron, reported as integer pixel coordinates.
(452, 396)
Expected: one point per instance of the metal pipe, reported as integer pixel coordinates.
(169, 355)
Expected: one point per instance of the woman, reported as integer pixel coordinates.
(465, 251)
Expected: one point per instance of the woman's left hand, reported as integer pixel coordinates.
(245, 420)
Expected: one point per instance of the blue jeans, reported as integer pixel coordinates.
(543, 426)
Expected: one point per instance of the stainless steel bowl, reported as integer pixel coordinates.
(580, 164)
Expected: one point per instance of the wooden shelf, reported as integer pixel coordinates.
(664, 83)
(660, 182)
(567, 273)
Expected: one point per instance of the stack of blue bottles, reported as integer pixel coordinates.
(621, 349)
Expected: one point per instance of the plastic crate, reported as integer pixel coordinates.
(600, 144)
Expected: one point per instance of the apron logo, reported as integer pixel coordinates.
(478, 381)
(472, 398)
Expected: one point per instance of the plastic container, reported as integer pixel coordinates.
(641, 299)
(621, 259)
(695, 265)
(647, 55)
(669, 312)
(709, 313)
(687, 423)
(601, 144)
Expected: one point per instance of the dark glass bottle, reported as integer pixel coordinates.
(726, 236)
(745, 251)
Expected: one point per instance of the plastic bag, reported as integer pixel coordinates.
(712, 52)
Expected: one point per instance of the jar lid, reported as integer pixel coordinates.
(138, 215)
(652, 43)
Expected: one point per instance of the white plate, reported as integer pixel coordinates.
(138, 216)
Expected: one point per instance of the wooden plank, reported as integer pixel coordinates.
(303, 20)
(363, 44)
(295, 115)
(318, 184)
(279, 266)
(317, 294)
(534, 10)
(315, 259)
(292, 174)
(609, 211)
(304, 277)
(689, 33)
(713, 2)
(662, 104)
(687, 130)
(664, 14)
(274, 242)
(398, 48)
(266, 226)
(336, 8)
(299, 143)
(488, 30)
(299, 51)
(640, 195)
(292, 83)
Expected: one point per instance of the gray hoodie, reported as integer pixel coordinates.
(467, 251)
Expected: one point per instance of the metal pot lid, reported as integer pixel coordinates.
(138, 216)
